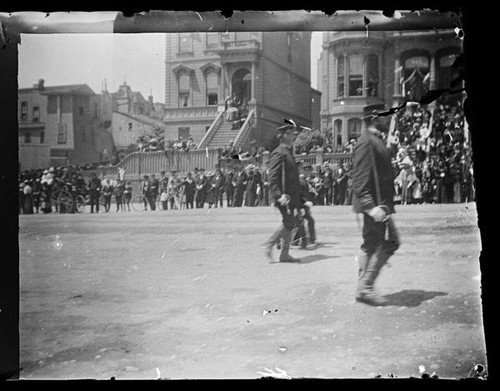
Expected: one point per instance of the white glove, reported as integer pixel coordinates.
(378, 214)
(284, 199)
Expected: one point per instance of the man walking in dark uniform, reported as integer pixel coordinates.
(373, 191)
(306, 198)
(284, 186)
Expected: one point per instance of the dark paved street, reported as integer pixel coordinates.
(190, 294)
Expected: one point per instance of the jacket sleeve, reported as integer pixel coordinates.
(274, 177)
(362, 180)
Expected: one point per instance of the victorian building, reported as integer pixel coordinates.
(58, 126)
(268, 71)
(358, 70)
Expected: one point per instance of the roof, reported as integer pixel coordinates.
(70, 89)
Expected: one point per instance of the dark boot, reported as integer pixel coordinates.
(285, 256)
(365, 292)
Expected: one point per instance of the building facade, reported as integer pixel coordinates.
(58, 127)
(127, 115)
(269, 71)
(381, 69)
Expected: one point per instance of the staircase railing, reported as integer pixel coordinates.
(245, 129)
(211, 131)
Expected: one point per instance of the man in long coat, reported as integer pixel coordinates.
(373, 192)
(284, 187)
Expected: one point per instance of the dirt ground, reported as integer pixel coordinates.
(190, 295)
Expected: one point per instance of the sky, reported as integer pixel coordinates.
(137, 59)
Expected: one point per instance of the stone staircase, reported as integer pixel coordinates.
(223, 136)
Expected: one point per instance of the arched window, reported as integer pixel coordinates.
(355, 75)
(353, 128)
(212, 88)
(416, 74)
(337, 132)
(184, 84)
(340, 76)
(372, 75)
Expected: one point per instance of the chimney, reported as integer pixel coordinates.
(41, 84)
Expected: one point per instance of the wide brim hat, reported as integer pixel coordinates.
(210, 173)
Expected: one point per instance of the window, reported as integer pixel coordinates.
(42, 137)
(242, 36)
(353, 128)
(96, 110)
(355, 75)
(185, 42)
(183, 133)
(61, 134)
(372, 75)
(24, 110)
(27, 137)
(446, 74)
(213, 40)
(84, 135)
(340, 76)
(337, 131)
(212, 88)
(80, 110)
(52, 104)
(184, 90)
(36, 114)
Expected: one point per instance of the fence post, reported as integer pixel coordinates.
(319, 157)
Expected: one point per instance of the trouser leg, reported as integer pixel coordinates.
(376, 250)
(311, 227)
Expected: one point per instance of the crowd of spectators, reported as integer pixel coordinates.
(432, 155)
(431, 158)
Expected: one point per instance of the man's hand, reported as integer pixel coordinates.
(284, 199)
(378, 214)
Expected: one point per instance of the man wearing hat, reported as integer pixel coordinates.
(210, 198)
(189, 189)
(373, 192)
(144, 190)
(284, 186)
(94, 188)
(201, 190)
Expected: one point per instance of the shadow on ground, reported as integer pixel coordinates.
(315, 258)
(411, 298)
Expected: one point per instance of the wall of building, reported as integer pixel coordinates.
(32, 98)
(84, 150)
(194, 60)
(285, 92)
(64, 117)
(34, 156)
(122, 137)
(315, 109)
(197, 129)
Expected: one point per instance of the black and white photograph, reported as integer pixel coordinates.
(286, 195)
